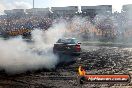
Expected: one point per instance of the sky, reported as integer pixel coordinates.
(26, 4)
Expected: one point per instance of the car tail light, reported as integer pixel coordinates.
(77, 48)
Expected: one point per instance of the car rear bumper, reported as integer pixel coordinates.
(76, 53)
(67, 53)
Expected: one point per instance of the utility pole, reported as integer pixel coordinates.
(33, 3)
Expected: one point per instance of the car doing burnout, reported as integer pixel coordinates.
(67, 46)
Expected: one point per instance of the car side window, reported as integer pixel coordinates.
(60, 41)
(72, 41)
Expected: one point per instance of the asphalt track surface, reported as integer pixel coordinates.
(95, 59)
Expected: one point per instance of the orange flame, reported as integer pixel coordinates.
(81, 71)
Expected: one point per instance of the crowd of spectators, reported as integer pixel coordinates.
(102, 28)
(27, 22)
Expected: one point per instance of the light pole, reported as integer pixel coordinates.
(33, 3)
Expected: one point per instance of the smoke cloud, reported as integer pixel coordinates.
(17, 56)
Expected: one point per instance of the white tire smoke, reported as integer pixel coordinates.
(17, 56)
